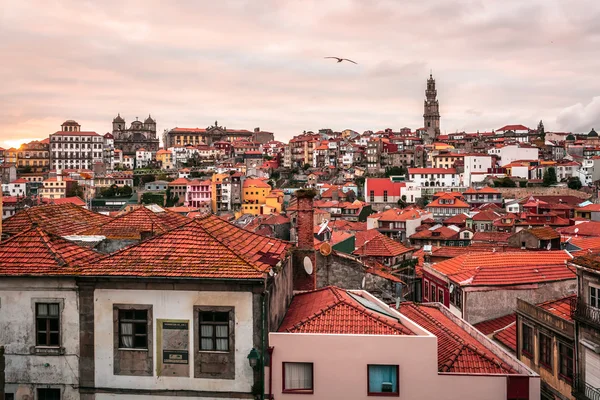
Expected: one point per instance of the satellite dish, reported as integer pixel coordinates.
(549, 246)
(271, 273)
(308, 265)
(576, 230)
(325, 249)
(451, 288)
(362, 284)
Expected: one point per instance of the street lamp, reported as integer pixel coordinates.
(253, 358)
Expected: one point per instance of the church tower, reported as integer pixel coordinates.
(431, 115)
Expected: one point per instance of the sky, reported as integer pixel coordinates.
(261, 64)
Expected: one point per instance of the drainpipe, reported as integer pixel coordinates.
(271, 348)
(2, 365)
(262, 347)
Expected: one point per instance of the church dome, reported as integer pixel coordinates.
(70, 122)
(149, 120)
(570, 137)
(119, 119)
(593, 133)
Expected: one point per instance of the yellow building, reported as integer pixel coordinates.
(254, 197)
(220, 192)
(56, 188)
(165, 157)
(274, 202)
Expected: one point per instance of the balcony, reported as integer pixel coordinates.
(582, 312)
(583, 391)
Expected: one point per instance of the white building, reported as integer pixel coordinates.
(128, 162)
(475, 164)
(71, 148)
(109, 151)
(589, 171)
(434, 177)
(143, 158)
(18, 187)
(513, 152)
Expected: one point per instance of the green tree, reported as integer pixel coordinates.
(504, 182)
(74, 190)
(550, 177)
(125, 190)
(540, 130)
(522, 184)
(394, 171)
(153, 198)
(275, 175)
(110, 191)
(306, 167)
(172, 199)
(574, 183)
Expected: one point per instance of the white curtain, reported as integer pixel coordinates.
(206, 333)
(222, 338)
(298, 376)
(53, 310)
(127, 334)
(42, 310)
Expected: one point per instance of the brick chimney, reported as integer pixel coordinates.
(304, 254)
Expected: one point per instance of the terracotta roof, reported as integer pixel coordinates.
(179, 182)
(256, 183)
(331, 310)
(493, 269)
(492, 325)
(457, 203)
(398, 214)
(443, 232)
(132, 224)
(347, 225)
(206, 247)
(458, 219)
(378, 185)
(589, 228)
(381, 246)
(544, 233)
(432, 171)
(38, 252)
(60, 219)
(559, 307)
(590, 208)
(508, 336)
(492, 237)
(67, 133)
(458, 351)
(486, 216)
(513, 128)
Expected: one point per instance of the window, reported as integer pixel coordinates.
(433, 292)
(441, 295)
(47, 321)
(527, 347)
(385, 196)
(383, 380)
(566, 361)
(372, 196)
(9, 396)
(545, 352)
(298, 377)
(594, 296)
(48, 394)
(214, 331)
(133, 329)
(426, 290)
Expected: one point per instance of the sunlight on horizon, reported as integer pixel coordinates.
(16, 142)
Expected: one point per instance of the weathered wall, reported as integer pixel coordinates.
(280, 294)
(173, 304)
(496, 302)
(531, 242)
(517, 193)
(24, 370)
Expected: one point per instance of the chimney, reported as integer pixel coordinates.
(304, 261)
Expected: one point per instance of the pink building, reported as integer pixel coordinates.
(342, 344)
(198, 194)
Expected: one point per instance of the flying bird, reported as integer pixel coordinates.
(342, 59)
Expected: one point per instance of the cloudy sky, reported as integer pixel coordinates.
(260, 64)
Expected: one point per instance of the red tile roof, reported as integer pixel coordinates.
(589, 228)
(207, 247)
(60, 219)
(132, 224)
(458, 219)
(432, 171)
(559, 307)
(378, 185)
(493, 325)
(513, 128)
(458, 351)
(456, 203)
(508, 336)
(71, 200)
(491, 237)
(38, 252)
(256, 183)
(381, 246)
(486, 216)
(544, 233)
(589, 208)
(398, 214)
(361, 237)
(331, 310)
(443, 232)
(493, 269)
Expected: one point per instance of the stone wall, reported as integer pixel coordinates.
(518, 193)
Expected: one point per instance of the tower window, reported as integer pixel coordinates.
(429, 124)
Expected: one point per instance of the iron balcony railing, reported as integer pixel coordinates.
(583, 391)
(582, 312)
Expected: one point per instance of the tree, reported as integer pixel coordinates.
(153, 198)
(504, 182)
(306, 166)
(540, 130)
(275, 175)
(574, 183)
(394, 171)
(172, 199)
(74, 190)
(522, 184)
(402, 201)
(125, 190)
(550, 177)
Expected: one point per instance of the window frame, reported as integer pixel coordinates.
(541, 346)
(593, 301)
(47, 330)
(384, 394)
(133, 361)
(135, 322)
(214, 336)
(527, 352)
(298, 391)
(38, 394)
(561, 375)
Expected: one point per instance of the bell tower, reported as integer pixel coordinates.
(431, 115)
